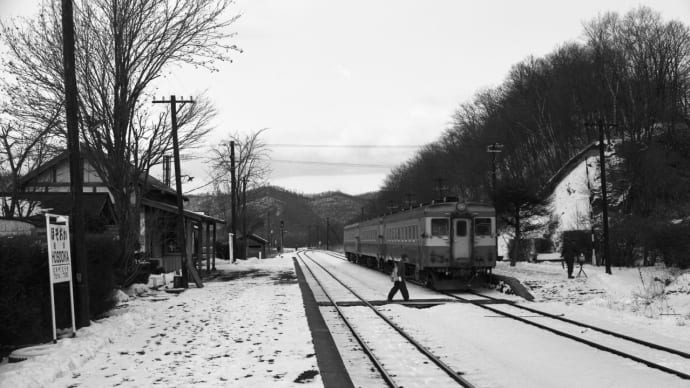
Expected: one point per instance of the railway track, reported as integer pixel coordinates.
(665, 359)
(653, 355)
(391, 367)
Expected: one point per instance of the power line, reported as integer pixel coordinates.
(332, 163)
(344, 145)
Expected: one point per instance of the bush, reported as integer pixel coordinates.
(102, 252)
(672, 243)
(25, 293)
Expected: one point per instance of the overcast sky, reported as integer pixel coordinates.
(368, 73)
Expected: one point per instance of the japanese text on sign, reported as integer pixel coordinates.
(58, 241)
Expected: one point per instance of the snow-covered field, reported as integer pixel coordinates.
(656, 299)
(493, 351)
(245, 328)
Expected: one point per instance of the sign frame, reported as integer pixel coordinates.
(58, 238)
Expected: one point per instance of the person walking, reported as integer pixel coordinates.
(568, 252)
(398, 278)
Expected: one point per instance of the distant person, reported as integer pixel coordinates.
(398, 278)
(568, 253)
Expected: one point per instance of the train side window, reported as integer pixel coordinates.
(461, 228)
(439, 227)
(482, 226)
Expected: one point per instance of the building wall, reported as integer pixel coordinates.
(571, 198)
(15, 228)
(57, 179)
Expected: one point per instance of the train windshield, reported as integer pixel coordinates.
(482, 226)
(439, 227)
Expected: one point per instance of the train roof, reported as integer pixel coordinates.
(444, 207)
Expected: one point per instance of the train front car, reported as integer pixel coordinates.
(458, 243)
(444, 245)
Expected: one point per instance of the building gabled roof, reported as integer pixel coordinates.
(590, 150)
(151, 183)
(255, 237)
(187, 213)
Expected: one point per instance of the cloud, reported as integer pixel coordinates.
(343, 71)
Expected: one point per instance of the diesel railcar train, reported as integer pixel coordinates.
(443, 241)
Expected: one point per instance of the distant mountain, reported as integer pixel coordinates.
(304, 216)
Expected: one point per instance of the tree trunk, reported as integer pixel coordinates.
(518, 238)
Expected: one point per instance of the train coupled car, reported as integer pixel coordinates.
(447, 244)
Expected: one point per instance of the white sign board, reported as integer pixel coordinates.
(59, 260)
(59, 253)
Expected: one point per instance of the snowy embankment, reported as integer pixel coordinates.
(649, 301)
(245, 327)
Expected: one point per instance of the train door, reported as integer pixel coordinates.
(462, 248)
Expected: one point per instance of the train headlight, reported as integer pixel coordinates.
(461, 207)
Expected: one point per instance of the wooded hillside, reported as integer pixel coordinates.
(630, 74)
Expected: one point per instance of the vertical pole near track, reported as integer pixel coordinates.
(604, 200)
(282, 229)
(233, 199)
(75, 165)
(327, 227)
(494, 149)
(181, 227)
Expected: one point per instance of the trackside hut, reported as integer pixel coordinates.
(157, 227)
(255, 245)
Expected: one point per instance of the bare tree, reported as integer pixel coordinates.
(122, 47)
(251, 166)
(23, 148)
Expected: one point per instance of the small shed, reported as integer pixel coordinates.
(255, 245)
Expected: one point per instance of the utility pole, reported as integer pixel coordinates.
(75, 167)
(181, 236)
(233, 198)
(494, 149)
(244, 216)
(327, 232)
(604, 199)
(439, 187)
(282, 229)
(606, 254)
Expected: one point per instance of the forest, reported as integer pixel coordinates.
(628, 77)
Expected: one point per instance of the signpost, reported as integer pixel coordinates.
(59, 262)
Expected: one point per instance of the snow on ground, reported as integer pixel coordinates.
(650, 302)
(493, 351)
(245, 327)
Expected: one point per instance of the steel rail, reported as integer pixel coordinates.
(599, 329)
(388, 378)
(449, 371)
(578, 339)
